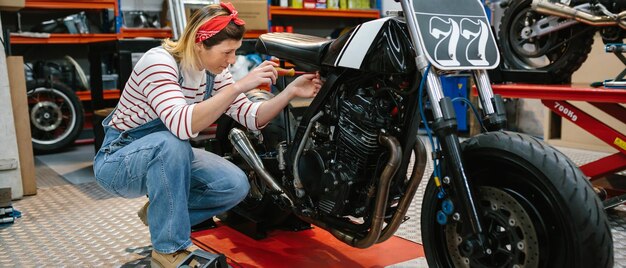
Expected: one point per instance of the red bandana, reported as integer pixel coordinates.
(216, 24)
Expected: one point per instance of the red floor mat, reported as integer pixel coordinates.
(310, 248)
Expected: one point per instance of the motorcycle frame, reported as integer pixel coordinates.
(444, 127)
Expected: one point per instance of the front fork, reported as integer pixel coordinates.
(445, 128)
(494, 115)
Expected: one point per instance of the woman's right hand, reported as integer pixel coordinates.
(264, 74)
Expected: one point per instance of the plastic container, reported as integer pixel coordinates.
(453, 87)
(109, 81)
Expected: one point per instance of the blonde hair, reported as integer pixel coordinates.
(183, 49)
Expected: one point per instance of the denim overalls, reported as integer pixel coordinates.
(186, 185)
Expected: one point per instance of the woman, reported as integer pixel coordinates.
(175, 91)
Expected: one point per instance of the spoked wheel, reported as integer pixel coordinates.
(537, 209)
(56, 117)
(560, 53)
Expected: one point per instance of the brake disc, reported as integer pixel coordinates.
(510, 233)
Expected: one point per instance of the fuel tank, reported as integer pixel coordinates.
(381, 45)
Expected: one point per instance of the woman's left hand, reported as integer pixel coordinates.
(305, 86)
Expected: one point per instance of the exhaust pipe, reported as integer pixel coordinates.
(565, 11)
(240, 141)
(405, 201)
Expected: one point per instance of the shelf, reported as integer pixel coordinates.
(64, 39)
(312, 12)
(72, 4)
(107, 94)
(145, 32)
(253, 34)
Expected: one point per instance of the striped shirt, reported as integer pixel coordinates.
(157, 88)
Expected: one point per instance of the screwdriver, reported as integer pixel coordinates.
(289, 72)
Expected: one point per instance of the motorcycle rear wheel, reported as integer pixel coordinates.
(56, 117)
(546, 53)
(538, 209)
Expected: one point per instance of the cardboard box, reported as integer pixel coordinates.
(5, 197)
(21, 118)
(253, 12)
(11, 5)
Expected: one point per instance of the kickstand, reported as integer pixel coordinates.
(614, 201)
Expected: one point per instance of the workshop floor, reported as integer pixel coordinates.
(73, 222)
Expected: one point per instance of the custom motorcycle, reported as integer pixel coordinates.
(556, 36)
(497, 199)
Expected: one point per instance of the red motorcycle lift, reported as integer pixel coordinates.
(556, 97)
(309, 248)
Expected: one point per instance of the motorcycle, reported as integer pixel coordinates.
(497, 199)
(56, 112)
(556, 36)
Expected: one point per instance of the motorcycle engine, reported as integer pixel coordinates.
(347, 155)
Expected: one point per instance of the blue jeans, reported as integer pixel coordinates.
(185, 185)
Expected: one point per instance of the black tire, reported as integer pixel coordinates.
(557, 219)
(540, 53)
(56, 117)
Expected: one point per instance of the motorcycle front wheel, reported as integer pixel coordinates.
(537, 209)
(559, 53)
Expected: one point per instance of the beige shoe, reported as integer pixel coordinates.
(162, 260)
(143, 213)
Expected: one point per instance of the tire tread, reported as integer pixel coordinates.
(588, 217)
